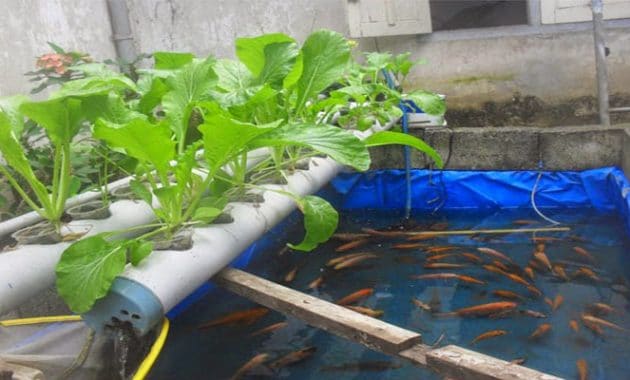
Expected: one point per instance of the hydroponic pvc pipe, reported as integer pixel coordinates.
(30, 269)
(142, 294)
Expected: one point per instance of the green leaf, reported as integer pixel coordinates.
(141, 191)
(191, 84)
(141, 140)
(261, 106)
(87, 269)
(236, 83)
(269, 57)
(378, 61)
(429, 102)
(296, 72)
(341, 145)
(325, 54)
(138, 250)
(109, 107)
(320, 222)
(10, 107)
(13, 154)
(56, 48)
(389, 138)
(224, 138)
(168, 60)
(60, 117)
(251, 51)
(358, 93)
(100, 79)
(206, 214)
(153, 96)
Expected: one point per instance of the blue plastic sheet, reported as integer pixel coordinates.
(604, 189)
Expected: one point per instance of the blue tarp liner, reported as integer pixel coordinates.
(604, 189)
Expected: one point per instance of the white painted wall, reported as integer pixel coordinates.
(26, 25)
(553, 62)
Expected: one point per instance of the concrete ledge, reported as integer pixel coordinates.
(625, 161)
(517, 148)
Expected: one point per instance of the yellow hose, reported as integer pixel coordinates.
(146, 364)
(38, 320)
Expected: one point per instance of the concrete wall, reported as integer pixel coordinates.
(553, 62)
(28, 24)
(514, 148)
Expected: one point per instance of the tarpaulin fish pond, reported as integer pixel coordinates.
(580, 318)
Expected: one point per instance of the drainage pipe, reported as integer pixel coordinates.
(143, 294)
(600, 62)
(121, 31)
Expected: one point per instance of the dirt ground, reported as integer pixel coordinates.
(530, 110)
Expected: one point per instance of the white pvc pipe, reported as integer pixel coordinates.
(172, 275)
(30, 269)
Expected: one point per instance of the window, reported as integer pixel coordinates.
(464, 14)
(561, 11)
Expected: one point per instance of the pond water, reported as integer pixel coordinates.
(218, 352)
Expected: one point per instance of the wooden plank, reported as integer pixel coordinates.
(451, 361)
(460, 363)
(327, 316)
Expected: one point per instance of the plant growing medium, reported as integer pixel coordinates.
(204, 116)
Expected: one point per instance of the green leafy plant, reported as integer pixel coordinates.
(269, 98)
(56, 68)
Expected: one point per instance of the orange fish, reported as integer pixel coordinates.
(352, 244)
(488, 335)
(559, 271)
(518, 279)
(293, 357)
(548, 301)
(472, 258)
(529, 272)
(584, 253)
(409, 245)
(270, 328)
(500, 265)
(540, 331)
(601, 322)
(366, 311)
(387, 234)
(421, 236)
(251, 364)
(524, 222)
(316, 283)
(431, 250)
(354, 261)
(540, 247)
(245, 317)
(585, 272)
(543, 259)
(348, 236)
(507, 294)
(600, 308)
(444, 266)
(339, 259)
(289, 277)
(533, 313)
(574, 325)
(493, 269)
(582, 369)
(494, 253)
(448, 276)
(557, 302)
(354, 297)
(482, 310)
(518, 361)
(534, 290)
(545, 239)
(596, 329)
(422, 305)
(440, 257)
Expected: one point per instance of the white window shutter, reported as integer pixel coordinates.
(562, 11)
(375, 18)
